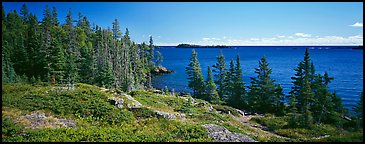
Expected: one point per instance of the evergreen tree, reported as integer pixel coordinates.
(303, 75)
(46, 40)
(33, 45)
(359, 107)
(307, 94)
(107, 77)
(71, 72)
(57, 60)
(195, 76)
(212, 94)
(279, 100)
(229, 84)
(262, 89)
(151, 50)
(359, 111)
(25, 13)
(239, 92)
(54, 19)
(220, 73)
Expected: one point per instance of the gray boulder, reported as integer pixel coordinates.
(40, 120)
(221, 134)
(169, 115)
(116, 101)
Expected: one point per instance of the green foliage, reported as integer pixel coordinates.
(212, 94)
(195, 76)
(9, 128)
(264, 96)
(143, 113)
(311, 98)
(284, 126)
(220, 73)
(226, 109)
(68, 53)
(272, 123)
(85, 101)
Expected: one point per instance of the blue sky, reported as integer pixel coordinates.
(239, 23)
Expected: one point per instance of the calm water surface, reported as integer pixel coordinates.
(342, 63)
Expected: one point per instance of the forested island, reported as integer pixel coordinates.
(74, 81)
(200, 46)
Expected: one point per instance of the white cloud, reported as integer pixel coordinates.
(356, 37)
(357, 24)
(213, 39)
(302, 35)
(281, 36)
(285, 41)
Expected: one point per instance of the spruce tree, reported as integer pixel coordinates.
(212, 94)
(358, 109)
(279, 100)
(195, 76)
(220, 73)
(151, 50)
(239, 92)
(229, 84)
(262, 89)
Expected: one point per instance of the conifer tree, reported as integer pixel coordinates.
(195, 76)
(220, 73)
(229, 84)
(151, 49)
(279, 100)
(359, 111)
(239, 92)
(212, 94)
(262, 89)
(71, 72)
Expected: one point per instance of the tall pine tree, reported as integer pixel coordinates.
(195, 76)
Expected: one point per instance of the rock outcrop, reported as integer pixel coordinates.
(116, 101)
(170, 116)
(134, 104)
(38, 119)
(221, 134)
(161, 70)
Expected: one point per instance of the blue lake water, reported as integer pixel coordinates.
(342, 63)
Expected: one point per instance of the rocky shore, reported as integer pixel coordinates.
(161, 70)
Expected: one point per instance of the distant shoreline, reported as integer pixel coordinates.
(294, 47)
(201, 46)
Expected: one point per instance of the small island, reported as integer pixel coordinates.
(200, 46)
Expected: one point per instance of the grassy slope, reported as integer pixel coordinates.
(97, 120)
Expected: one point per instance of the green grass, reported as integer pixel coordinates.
(85, 101)
(96, 119)
(279, 125)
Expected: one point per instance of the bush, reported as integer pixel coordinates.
(85, 101)
(143, 113)
(272, 123)
(9, 128)
(226, 109)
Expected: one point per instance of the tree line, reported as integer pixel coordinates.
(75, 51)
(308, 102)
